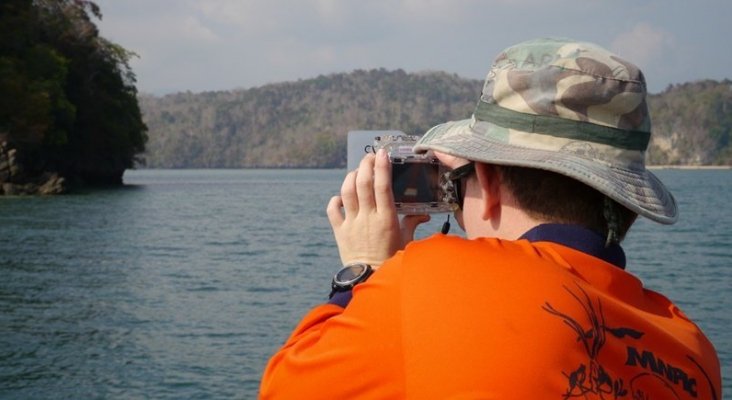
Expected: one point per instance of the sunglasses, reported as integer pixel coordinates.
(457, 176)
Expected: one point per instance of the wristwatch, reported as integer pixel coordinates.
(349, 276)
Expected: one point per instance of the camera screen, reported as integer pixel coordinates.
(415, 182)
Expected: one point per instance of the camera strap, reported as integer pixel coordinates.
(446, 226)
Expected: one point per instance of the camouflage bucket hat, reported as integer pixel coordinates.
(568, 107)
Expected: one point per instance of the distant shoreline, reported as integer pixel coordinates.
(684, 167)
(690, 167)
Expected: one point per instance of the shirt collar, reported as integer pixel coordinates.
(578, 238)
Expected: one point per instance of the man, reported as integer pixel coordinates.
(535, 303)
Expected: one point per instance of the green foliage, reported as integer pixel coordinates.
(33, 106)
(67, 96)
(297, 124)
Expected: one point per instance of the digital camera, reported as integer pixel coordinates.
(419, 181)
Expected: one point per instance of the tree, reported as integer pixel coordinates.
(68, 100)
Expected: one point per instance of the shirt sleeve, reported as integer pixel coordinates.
(337, 352)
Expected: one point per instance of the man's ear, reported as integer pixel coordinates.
(489, 181)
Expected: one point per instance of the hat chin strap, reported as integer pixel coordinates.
(610, 212)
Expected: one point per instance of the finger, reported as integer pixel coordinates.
(383, 194)
(365, 183)
(409, 226)
(349, 199)
(335, 215)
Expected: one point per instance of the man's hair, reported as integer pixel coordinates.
(553, 197)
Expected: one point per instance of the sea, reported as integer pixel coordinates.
(182, 283)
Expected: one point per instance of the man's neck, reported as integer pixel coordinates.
(509, 224)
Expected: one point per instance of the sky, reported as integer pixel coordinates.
(211, 45)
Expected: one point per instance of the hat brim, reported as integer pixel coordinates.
(635, 188)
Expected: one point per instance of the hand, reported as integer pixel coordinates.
(364, 218)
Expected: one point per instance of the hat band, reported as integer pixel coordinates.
(561, 127)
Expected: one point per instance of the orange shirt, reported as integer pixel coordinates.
(450, 318)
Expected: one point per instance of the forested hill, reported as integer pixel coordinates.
(304, 123)
(69, 115)
(692, 124)
(297, 124)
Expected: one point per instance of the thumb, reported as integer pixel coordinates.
(409, 225)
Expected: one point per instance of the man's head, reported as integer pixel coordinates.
(569, 108)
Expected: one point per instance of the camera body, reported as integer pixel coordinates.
(419, 181)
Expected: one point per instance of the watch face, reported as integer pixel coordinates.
(350, 274)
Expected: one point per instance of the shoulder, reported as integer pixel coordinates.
(489, 254)
(510, 279)
(481, 271)
(440, 243)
